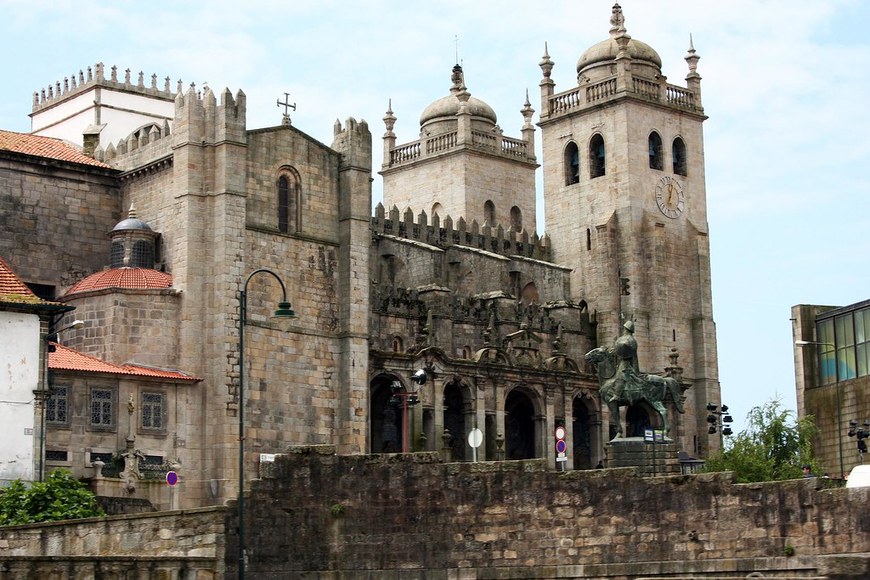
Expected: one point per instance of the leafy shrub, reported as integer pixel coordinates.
(59, 497)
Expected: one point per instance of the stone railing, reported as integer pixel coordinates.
(446, 233)
(494, 142)
(647, 89)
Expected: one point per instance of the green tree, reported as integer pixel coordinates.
(59, 497)
(774, 446)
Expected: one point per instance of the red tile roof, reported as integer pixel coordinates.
(14, 291)
(131, 278)
(49, 147)
(67, 359)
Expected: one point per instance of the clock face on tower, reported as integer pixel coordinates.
(670, 197)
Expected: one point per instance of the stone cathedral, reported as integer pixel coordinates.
(151, 229)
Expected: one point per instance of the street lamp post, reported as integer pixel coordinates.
(860, 432)
(837, 393)
(284, 311)
(719, 420)
(408, 399)
(42, 395)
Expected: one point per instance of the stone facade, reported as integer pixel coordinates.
(498, 317)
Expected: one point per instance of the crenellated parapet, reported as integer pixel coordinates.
(199, 118)
(445, 234)
(95, 77)
(354, 142)
(143, 142)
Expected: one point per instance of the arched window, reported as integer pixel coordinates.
(283, 204)
(572, 164)
(516, 219)
(489, 213)
(288, 201)
(655, 151)
(597, 161)
(438, 210)
(679, 153)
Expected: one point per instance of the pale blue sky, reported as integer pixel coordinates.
(785, 84)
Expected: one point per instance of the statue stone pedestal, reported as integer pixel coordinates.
(650, 458)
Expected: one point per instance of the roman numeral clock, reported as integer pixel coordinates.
(670, 197)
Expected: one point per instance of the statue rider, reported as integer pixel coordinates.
(627, 368)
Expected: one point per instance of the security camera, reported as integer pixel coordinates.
(420, 377)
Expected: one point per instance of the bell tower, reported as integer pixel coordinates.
(626, 208)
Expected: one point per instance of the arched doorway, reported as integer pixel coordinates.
(637, 420)
(519, 426)
(582, 429)
(385, 419)
(454, 420)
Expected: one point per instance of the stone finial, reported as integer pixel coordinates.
(692, 58)
(617, 20)
(389, 119)
(546, 63)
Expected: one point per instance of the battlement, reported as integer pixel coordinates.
(199, 117)
(487, 238)
(95, 77)
(354, 142)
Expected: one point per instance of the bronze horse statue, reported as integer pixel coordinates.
(621, 388)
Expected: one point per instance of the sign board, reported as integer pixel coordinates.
(171, 478)
(561, 446)
(475, 438)
(654, 435)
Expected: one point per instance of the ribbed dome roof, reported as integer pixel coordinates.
(447, 107)
(131, 223)
(128, 278)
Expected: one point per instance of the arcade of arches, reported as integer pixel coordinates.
(514, 428)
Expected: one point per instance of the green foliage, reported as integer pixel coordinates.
(773, 447)
(59, 497)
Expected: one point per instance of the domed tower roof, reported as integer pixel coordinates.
(133, 243)
(445, 108)
(604, 52)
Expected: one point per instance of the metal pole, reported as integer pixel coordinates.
(286, 312)
(243, 307)
(839, 421)
(405, 422)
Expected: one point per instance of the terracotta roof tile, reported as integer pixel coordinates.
(49, 147)
(67, 359)
(131, 278)
(14, 291)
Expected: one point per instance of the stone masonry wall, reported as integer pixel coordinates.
(342, 515)
(40, 203)
(150, 546)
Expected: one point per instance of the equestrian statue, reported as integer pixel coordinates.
(622, 384)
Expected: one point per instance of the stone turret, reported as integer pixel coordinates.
(354, 143)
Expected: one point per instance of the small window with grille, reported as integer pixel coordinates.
(102, 407)
(57, 406)
(153, 416)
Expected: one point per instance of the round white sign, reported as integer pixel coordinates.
(475, 438)
(560, 432)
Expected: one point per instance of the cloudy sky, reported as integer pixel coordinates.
(785, 84)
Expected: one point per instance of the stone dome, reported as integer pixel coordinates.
(606, 51)
(446, 107)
